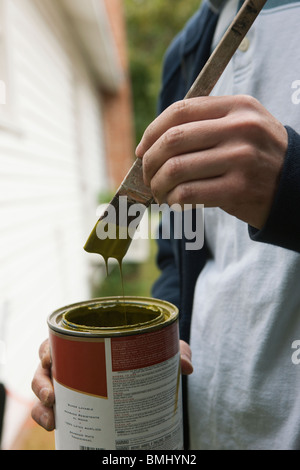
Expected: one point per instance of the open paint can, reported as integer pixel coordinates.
(116, 375)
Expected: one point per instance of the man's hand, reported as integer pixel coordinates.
(42, 386)
(224, 152)
(186, 358)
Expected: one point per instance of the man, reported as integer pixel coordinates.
(238, 153)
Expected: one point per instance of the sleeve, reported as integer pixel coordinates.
(283, 225)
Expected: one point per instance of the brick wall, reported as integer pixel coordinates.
(119, 129)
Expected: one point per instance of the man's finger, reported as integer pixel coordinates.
(42, 386)
(182, 112)
(43, 416)
(186, 358)
(45, 355)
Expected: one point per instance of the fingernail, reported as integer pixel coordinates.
(44, 395)
(188, 361)
(46, 360)
(45, 421)
(138, 150)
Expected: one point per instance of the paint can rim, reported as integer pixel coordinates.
(167, 313)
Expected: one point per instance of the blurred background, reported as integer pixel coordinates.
(79, 81)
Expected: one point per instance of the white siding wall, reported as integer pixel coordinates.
(50, 173)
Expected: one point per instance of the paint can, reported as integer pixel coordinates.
(116, 375)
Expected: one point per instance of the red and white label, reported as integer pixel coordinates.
(119, 393)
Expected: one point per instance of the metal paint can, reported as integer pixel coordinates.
(116, 375)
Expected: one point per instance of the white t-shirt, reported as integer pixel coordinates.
(245, 389)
